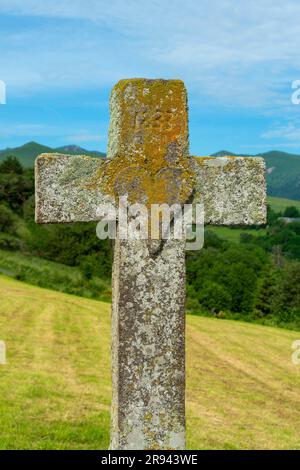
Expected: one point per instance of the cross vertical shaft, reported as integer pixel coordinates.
(148, 125)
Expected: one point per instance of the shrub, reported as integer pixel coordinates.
(9, 242)
(214, 297)
(7, 219)
(11, 165)
(291, 211)
(287, 298)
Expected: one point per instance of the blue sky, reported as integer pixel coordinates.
(60, 59)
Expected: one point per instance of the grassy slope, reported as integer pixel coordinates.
(27, 153)
(278, 204)
(242, 389)
(44, 273)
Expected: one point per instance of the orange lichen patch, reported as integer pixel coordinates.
(144, 184)
(148, 143)
(153, 120)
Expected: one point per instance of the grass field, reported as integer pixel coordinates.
(233, 234)
(44, 273)
(278, 204)
(242, 388)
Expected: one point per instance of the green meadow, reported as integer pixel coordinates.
(242, 387)
(278, 204)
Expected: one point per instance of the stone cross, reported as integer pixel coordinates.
(148, 161)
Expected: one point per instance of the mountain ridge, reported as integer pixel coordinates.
(28, 152)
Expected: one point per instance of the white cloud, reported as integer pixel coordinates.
(25, 129)
(290, 131)
(64, 134)
(237, 53)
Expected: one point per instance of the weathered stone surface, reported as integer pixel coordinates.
(148, 120)
(148, 160)
(232, 190)
(148, 132)
(148, 142)
(66, 189)
(148, 334)
(71, 188)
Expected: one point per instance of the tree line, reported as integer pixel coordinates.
(257, 279)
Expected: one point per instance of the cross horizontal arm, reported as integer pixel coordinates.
(231, 189)
(67, 189)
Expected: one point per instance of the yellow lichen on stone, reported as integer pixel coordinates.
(148, 416)
(153, 120)
(148, 156)
(170, 184)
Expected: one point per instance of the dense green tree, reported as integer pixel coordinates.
(7, 218)
(272, 216)
(292, 212)
(16, 184)
(252, 276)
(267, 290)
(72, 244)
(234, 268)
(214, 297)
(279, 236)
(11, 165)
(288, 292)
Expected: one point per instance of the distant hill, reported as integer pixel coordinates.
(27, 153)
(75, 150)
(283, 172)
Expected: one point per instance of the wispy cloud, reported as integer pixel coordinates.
(234, 52)
(232, 55)
(290, 131)
(37, 131)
